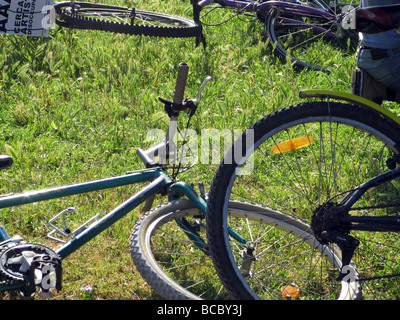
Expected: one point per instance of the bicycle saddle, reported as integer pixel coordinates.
(5, 162)
(378, 19)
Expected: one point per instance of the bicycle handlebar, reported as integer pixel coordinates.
(183, 71)
(159, 150)
(147, 155)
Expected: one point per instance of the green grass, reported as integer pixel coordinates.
(76, 106)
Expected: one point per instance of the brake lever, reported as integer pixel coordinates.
(197, 100)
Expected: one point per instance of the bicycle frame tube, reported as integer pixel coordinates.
(3, 234)
(181, 187)
(74, 189)
(202, 206)
(265, 7)
(158, 180)
(132, 203)
(116, 214)
(371, 223)
(292, 22)
(356, 194)
(294, 8)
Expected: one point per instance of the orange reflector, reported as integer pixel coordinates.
(292, 144)
(290, 292)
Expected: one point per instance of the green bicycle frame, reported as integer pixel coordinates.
(157, 178)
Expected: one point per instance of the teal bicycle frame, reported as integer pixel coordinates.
(157, 178)
(158, 181)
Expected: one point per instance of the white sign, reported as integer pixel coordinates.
(27, 17)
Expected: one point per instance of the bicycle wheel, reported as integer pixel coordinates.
(294, 161)
(82, 15)
(166, 257)
(308, 40)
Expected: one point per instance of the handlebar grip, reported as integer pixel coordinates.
(181, 82)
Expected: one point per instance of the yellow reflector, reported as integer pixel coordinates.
(290, 292)
(292, 144)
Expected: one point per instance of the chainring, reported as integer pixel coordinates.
(15, 259)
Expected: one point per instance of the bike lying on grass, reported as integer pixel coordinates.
(309, 34)
(168, 244)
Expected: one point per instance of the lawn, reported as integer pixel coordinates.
(76, 105)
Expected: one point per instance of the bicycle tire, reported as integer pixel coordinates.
(291, 39)
(83, 15)
(332, 160)
(160, 267)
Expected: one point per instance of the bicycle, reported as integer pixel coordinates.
(28, 267)
(331, 165)
(296, 31)
(94, 16)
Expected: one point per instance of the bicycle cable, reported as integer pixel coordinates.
(176, 169)
(237, 14)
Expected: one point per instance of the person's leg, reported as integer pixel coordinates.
(385, 70)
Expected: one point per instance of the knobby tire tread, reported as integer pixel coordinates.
(161, 285)
(77, 21)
